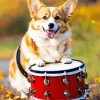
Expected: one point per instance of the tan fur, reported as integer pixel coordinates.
(13, 66)
(68, 44)
(12, 69)
(31, 45)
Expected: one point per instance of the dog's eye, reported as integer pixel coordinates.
(57, 18)
(44, 17)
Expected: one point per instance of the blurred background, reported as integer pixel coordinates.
(85, 24)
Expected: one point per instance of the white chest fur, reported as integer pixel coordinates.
(48, 48)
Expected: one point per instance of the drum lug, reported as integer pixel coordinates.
(46, 82)
(79, 78)
(47, 94)
(67, 94)
(32, 91)
(84, 75)
(65, 81)
(81, 91)
(31, 79)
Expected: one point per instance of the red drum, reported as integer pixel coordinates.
(58, 81)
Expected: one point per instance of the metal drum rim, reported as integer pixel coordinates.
(58, 73)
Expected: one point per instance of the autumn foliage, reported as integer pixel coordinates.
(14, 16)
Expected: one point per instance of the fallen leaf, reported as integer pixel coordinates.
(1, 75)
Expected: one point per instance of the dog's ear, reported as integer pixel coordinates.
(68, 7)
(34, 6)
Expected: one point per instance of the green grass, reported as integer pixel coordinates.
(7, 48)
(86, 49)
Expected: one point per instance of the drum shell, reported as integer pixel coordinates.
(57, 87)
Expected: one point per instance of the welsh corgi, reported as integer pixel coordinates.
(48, 39)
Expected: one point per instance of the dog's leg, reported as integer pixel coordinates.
(66, 58)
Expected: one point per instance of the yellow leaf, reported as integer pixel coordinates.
(7, 95)
(1, 75)
(1, 87)
(96, 80)
(93, 21)
(9, 92)
(16, 97)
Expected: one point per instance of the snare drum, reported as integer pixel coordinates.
(58, 81)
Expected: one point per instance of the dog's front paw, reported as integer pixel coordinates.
(39, 62)
(66, 61)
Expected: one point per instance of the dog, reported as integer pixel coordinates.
(48, 39)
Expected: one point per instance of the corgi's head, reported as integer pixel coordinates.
(50, 20)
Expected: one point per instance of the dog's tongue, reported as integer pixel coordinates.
(50, 34)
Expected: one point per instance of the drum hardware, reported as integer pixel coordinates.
(47, 94)
(67, 94)
(31, 79)
(46, 81)
(84, 75)
(81, 91)
(79, 78)
(32, 91)
(65, 80)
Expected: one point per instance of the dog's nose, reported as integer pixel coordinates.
(51, 25)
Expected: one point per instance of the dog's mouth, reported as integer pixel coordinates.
(50, 33)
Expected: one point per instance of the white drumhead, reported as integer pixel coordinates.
(58, 69)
